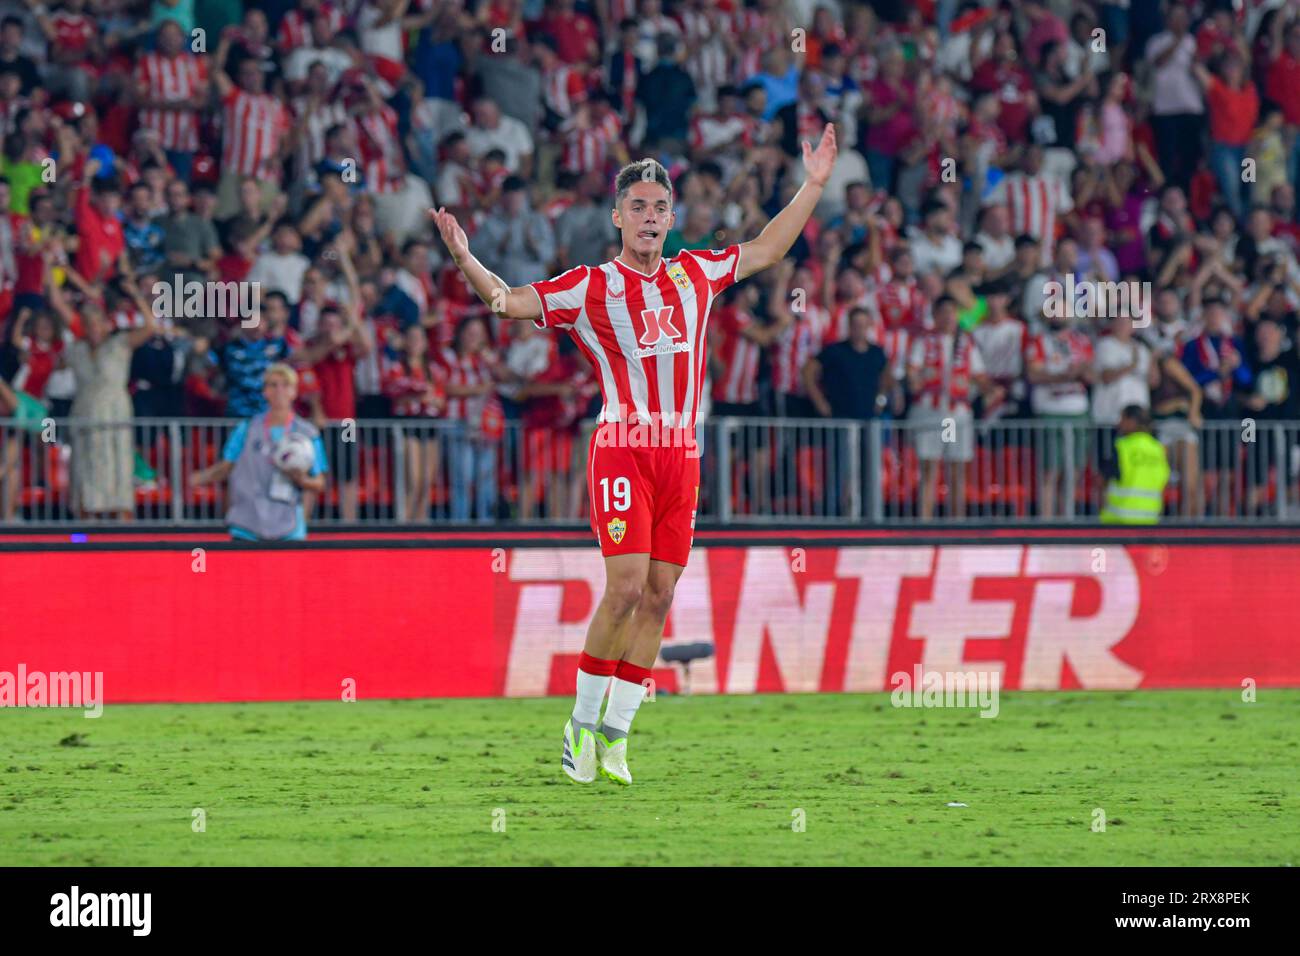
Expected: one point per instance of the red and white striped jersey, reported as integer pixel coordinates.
(475, 369)
(587, 149)
(761, 31)
(711, 130)
(1033, 202)
(900, 304)
(381, 151)
(644, 334)
(406, 385)
(295, 28)
(1056, 352)
(947, 363)
(563, 88)
(737, 356)
(253, 127)
(707, 61)
(895, 342)
(172, 78)
(801, 340)
(319, 120)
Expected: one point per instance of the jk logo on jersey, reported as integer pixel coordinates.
(659, 336)
(617, 528)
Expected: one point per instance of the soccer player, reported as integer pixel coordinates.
(641, 321)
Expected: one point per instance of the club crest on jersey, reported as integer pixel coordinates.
(617, 528)
(678, 275)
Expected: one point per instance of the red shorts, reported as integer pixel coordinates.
(643, 499)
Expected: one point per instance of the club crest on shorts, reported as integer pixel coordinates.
(678, 275)
(617, 528)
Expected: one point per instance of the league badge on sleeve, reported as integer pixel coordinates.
(617, 528)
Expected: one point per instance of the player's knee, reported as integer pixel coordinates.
(656, 599)
(623, 596)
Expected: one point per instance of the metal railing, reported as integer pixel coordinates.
(402, 472)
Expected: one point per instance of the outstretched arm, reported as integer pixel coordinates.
(521, 303)
(779, 235)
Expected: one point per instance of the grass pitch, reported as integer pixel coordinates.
(1183, 778)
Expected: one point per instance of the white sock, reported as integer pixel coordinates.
(591, 691)
(624, 699)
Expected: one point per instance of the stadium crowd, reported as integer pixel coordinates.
(988, 150)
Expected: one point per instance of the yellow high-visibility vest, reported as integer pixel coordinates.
(1138, 496)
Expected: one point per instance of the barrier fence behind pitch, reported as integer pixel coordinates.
(415, 472)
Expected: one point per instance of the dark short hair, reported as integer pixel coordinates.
(643, 170)
(1137, 414)
(944, 300)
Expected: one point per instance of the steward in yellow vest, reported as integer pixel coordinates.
(1135, 493)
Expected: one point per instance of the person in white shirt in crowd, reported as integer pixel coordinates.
(1065, 264)
(934, 246)
(1168, 329)
(996, 238)
(1059, 366)
(282, 268)
(1125, 375)
(1177, 103)
(493, 130)
(1001, 339)
(327, 49)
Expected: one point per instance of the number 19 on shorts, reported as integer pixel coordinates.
(621, 494)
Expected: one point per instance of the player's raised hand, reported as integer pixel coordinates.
(820, 161)
(452, 234)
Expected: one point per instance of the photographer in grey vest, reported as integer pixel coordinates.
(265, 501)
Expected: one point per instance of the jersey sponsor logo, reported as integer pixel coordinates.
(616, 528)
(658, 334)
